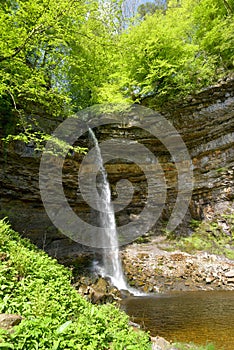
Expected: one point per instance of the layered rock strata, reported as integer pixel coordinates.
(204, 121)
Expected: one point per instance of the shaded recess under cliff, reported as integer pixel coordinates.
(205, 122)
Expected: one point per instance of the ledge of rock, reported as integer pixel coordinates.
(206, 124)
(152, 269)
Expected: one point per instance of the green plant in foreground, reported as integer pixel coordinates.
(55, 316)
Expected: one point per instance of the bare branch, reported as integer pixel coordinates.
(15, 107)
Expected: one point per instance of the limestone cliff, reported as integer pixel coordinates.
(206, 123)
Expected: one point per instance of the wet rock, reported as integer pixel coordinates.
(136, 327)
(83, 289)
(97, 290)
(97, 297)
(101, 285)
(124, 294)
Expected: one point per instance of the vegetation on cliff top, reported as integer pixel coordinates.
(55, 316)
(57, 57)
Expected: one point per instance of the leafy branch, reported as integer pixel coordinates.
(17, 50)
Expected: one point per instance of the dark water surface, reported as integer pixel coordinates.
(198, 317)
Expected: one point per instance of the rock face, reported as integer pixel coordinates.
(205, 123)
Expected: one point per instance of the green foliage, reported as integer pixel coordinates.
(211, 237)
(31, 50)
(60, 56)
(214, 30)
(55, 316)
(175, 52)
(53, 57)
(38, 139)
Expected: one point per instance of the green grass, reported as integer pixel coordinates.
(181, 346)
(55, 316)
(210, 237)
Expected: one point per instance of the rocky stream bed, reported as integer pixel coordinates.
(150, 268)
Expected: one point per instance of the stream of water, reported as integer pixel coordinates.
(198, 317)
(111, 266)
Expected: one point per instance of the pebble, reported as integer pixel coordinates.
(230, 280)
(229, 274)
(209, 279)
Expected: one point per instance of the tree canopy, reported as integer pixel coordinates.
(60, 56)
(53, 56)
(178, 50)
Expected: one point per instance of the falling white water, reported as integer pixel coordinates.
(112, 266)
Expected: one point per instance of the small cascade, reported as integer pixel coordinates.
(112, 266)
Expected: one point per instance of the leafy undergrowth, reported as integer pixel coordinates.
(215, 237)
(55, 316)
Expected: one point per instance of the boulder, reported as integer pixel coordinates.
(7, 321)
(159, 343)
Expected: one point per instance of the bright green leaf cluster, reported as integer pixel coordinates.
(177, 51)
(60, 56)
(55, 316)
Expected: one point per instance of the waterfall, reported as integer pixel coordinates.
(112, 266)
